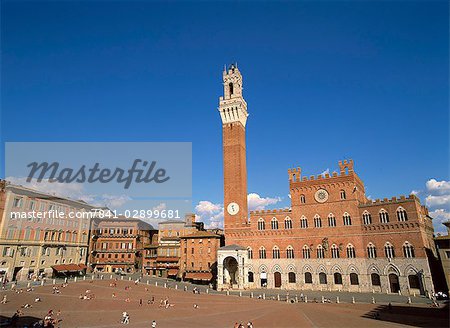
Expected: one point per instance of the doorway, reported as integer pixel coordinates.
(394, 283)
(263, 279)
(16, 272)
(230, 271)
(277, 279)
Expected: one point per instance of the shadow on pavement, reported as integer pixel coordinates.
(410, 315)
(22, 321)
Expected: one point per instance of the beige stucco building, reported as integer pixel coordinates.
(41, 234)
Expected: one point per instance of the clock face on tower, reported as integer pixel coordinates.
(321, 195)
(233, 208)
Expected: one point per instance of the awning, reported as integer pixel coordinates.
(172, 272)
(199, 275)
(72, 267)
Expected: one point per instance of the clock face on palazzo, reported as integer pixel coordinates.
(321, 195)
(233, 208)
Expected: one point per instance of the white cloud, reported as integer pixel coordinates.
(115, 201)
(216, 221)
(206, 207)
(415, 192)
(327, 171)
(440, 216)
(440, 200)
(258, 203)
(437, 198)
(438, 186)
(209, 213)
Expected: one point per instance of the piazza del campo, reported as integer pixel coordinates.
(327, 254)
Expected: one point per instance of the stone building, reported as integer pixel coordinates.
(199, 256)
(150, 255)
(169, 243)
(331, 238)
(443, 248)
(117, 244)
(41, 234)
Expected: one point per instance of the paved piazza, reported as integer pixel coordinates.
(214, 310)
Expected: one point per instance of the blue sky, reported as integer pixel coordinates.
(323, 81)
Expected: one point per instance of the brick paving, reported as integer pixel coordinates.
(215, 310)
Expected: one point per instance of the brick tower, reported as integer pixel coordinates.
(233, 111)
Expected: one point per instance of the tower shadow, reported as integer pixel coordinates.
(22, 321)
(413, 316)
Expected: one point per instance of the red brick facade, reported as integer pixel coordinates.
(332, 236)
(117, 245)
(199, 256)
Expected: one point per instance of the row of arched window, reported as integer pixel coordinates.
(389, 251)
(346, 220)
(306, 252)
(47, 235)
(323, 280)
(402, 216)
(335, 251)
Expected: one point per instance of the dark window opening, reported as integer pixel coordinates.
(322, 278)
(291, 277)
(338, 278)
(308, 278)
(414, 281)
(354, 279)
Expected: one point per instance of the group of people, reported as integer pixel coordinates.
(50, 320)
(56, 290)
(88, 295)
(164, 303)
